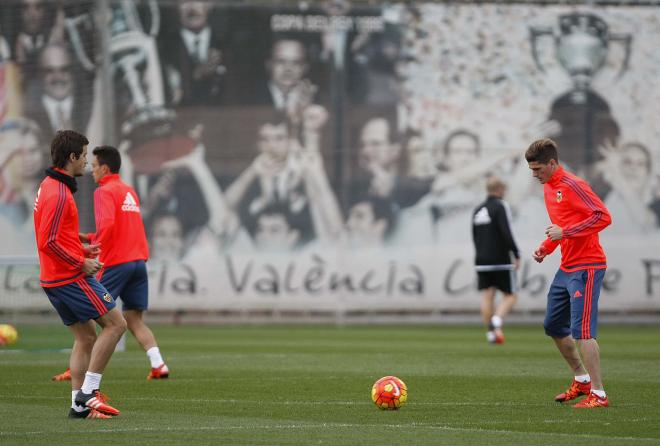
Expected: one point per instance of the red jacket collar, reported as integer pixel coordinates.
(63, 177)
(557, 176)
(108, 178)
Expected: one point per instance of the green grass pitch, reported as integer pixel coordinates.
(311, 385)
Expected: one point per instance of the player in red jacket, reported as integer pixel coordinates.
(67, 277)
(120, 233)
(124, 251)
(577, 216)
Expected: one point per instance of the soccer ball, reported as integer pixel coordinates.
(389, 393)
(8, 334)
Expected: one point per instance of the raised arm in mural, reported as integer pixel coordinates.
(324, 207)
(222, 221)
(273, 177)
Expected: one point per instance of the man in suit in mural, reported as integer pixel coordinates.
(286, 86)
(193, 58)
(55, 105)
(34, 30)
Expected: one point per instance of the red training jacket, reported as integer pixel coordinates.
(573, 206)
(56, 228)
(119, 227)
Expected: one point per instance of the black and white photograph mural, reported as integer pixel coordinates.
(332, 157)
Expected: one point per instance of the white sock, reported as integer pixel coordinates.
(92, 382)
(154, 357)
(73, 401)
(599, 393)
(496, 321)
(583, 378)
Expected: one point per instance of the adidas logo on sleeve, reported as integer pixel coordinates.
(130, 205)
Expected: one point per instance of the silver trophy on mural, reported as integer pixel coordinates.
(132, 48)
(581, 47)
(581, 116)
(144, 122)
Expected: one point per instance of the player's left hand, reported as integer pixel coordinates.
(554, 232)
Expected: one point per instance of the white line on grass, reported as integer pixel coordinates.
(338, 426)
(36, 350)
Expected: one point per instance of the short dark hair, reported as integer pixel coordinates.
(393, 136)
(275, 118)
(382, 208)
(282, 209)
(109, 156)
(542, 151)
(64, 144)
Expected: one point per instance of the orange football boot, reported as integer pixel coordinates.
(160, 372)
(65, 376)
(95, 400)
(592, 401)
(577, 389)
(101, 396)
(89, 414)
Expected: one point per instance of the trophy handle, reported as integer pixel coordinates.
(155, 18)
(626, 41)
(131, 48)
(72, 29)
(534, 34)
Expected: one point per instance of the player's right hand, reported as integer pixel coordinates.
(91, 266)
(539, 255)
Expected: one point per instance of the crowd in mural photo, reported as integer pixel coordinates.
(250, 130)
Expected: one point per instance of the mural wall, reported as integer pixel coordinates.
(330, 156)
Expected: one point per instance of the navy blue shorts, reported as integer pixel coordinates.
(81, 300)
(128, 282)
(573, 304)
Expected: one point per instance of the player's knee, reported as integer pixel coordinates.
(86, 340)
(116, 322)
(122, 324)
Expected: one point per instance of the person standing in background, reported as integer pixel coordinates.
(494, 245)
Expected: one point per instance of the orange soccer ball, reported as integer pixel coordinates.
(389, 393)
(8, 334)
